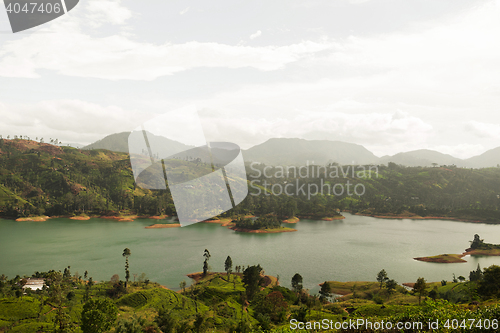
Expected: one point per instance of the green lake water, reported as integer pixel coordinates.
(355, 248)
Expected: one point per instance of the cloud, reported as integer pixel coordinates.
(184, 11)
(373, 128)
(256, 35)
(462, 151)
(483, 130)
(107, 11)
(68, 120)
(118, 57)
(357, 2)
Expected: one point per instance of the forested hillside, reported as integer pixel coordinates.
(38, 178)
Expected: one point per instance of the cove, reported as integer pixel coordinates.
(353, 249)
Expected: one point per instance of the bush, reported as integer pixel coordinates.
(377, 299)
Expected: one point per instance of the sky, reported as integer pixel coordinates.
(390, 75)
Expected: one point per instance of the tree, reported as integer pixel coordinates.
(67, 272)
(274, 305)
(134, 325)
(228, 266)
(325, 291)
(391, 286)
(115, 278)
(382, 277)
(126, 254)
(166, 321)
(419, 288)
(57, 288)
(433, 293)
(476, 275)
(88, 288)
(207, 256)
(98, 315)
(476, 243)
(183, 286)
(490, 284)
(251, 280)
(297, 283)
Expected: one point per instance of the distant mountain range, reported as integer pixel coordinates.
(285, 151)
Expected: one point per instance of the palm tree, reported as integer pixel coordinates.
(126, 254)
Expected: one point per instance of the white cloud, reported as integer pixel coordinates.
(462, 151)
(483, 130)
(68, 120)
(107, 11)
(256, 35)
(184, 11)
(71, 52)
(357, 2)
(373, 128)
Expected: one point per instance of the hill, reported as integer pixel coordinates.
(118, 142)
(299, 151)
(422, 157)
(39, 178)
(490, 158)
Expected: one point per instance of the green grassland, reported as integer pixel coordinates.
(220, 303)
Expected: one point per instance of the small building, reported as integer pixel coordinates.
(34, 284)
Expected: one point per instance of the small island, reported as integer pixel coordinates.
(477, 248)
(443, 258)
(266, 224)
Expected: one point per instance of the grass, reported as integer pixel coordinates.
(346, 288)
(160, 298)
(360, 293)
(19, 309)
(32, 327)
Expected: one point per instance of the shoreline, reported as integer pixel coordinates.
(265, 231)
(163, 226)
(418, 217)
(123, 218)
(457, 258)
(324, 218)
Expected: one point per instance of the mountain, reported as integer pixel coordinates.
(490, 158)
(284, 151)
(299, 151)
(115, 142)
(119, 142)
(422, 157)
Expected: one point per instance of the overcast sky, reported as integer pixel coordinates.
(390, 75)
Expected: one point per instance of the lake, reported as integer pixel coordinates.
(355, 248)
